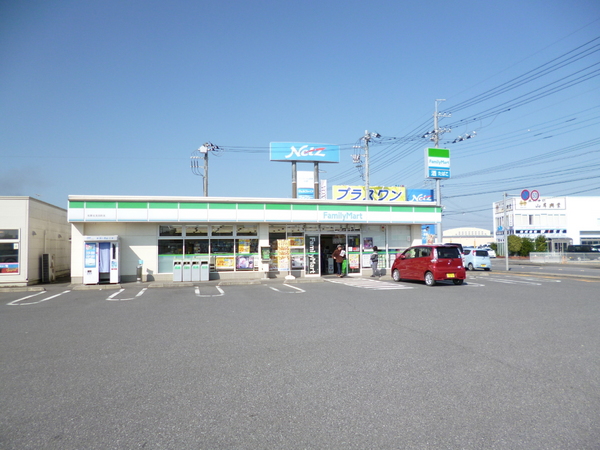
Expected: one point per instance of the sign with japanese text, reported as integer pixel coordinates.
(437, 163)
(376, 193)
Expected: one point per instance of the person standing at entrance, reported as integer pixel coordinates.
(375, 261)
(339, 255)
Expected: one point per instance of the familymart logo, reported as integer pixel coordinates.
(342, 216)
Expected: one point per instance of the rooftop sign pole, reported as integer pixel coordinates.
(295, 152)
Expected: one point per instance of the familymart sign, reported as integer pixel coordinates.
(437, 163)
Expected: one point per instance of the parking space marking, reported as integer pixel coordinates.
(365, 283)
(17, 302)
(221, 292)
(511, 281)
(111, 298)
(298, 290)
(472, 284)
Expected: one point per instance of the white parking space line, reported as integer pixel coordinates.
(17, 302)
(472, 284)
(221, 292)
(365, 283)
(111, 298)
(513, 281)
(299, 291)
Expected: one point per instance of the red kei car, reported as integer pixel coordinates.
(430, 263)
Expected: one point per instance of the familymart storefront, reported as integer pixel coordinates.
(237, 237)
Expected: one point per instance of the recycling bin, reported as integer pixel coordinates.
(177, 275)
(186, 270)
(204, 271)
(195, 270)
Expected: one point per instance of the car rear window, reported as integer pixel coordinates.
(448, 252)
(481, 253)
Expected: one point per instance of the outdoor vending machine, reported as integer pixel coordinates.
(101, 259)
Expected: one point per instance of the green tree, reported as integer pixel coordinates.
(514, 244)
(541, 244)
(527, 246)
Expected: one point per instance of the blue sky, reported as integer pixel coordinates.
(112, 97)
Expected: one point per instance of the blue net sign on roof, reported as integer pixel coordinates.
(305, 152)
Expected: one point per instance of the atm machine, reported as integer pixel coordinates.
(101, 259)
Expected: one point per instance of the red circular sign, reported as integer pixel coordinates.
(535, 196)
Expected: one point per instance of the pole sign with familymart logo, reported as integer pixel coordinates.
(437, 163)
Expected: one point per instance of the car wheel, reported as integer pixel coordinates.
(396, 275)
(470, 267)
(429, 280)
(457, 282)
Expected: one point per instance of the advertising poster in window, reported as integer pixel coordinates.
(368, 243)
(9, 267)
(428, 234)
(224, 262)
(297, 242)
(265, 253)
(354, 260)
(244, 246)
(297, 262)
(245, 262)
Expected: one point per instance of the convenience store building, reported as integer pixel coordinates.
(240, 238)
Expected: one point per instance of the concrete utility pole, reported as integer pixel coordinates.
(436, 139)
(367, 138)
(202, 153)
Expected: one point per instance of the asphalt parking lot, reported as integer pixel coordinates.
(504, 361)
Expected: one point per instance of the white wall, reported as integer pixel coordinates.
(43, 229)
(137, 241)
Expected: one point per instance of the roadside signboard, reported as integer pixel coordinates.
(437, 163)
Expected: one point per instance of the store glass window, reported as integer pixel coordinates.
(9, 234)
(222, 230)
(9, 258)
(196, 247)
(169, 230)
(222, 254)
(295, 230)
(9, 251)
(196, 230)
(247, 230)
(247, 257)
(169, 250)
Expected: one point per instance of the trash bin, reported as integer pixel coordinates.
(177, 275)
(187, 270)
(195, 270)
(204, 271)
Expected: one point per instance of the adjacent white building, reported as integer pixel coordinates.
(35, 241)
(468, 236)
(562, 220)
